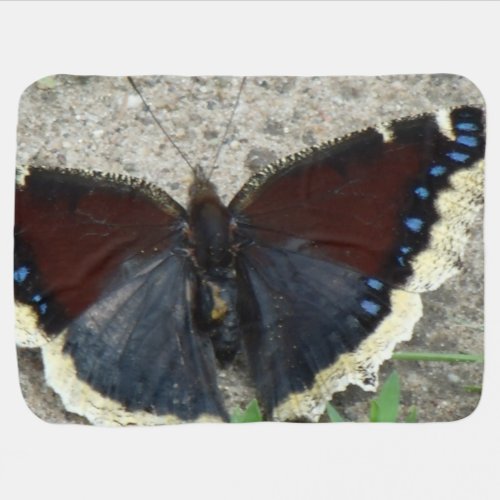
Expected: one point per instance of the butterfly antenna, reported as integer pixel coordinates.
(217, 154)
(167, 135)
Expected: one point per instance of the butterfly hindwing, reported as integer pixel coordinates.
(311, 327)
(137, 351)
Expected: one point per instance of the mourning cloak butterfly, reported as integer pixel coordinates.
(313, 271)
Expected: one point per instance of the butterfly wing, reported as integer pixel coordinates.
(100, 273)
(357, 225)
(312, 326)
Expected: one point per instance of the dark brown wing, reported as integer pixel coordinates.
(372, 199)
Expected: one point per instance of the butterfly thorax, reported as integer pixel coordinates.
(209, 223)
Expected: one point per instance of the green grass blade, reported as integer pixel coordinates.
(385, 407)
(473, 388)
(438, 356)
(333, 414)
(411, 418)
(373, 415)
(251, 413)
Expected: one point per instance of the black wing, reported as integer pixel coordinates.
(135, 354)
(336, 238)
(99, 273)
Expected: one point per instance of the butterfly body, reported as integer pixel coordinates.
(212, 247)
(313, 272)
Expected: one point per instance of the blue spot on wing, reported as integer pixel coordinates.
(457, 156)
(405, 251)
(437, 170)
(36, 298)
(414, 224)
(42, 308)
(467, 140)
(469, 127)
(20, 274)
(370, 307)
(422, 192)
(374, 283)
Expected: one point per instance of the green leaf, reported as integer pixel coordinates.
(251, 413)
(386, 406)
(333, 414)
(411, 418)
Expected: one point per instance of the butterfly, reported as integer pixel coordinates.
(313, 271)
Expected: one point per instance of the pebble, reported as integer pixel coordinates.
(453, 378)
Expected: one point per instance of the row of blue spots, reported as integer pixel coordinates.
(467, 140)
(457, 156)
(405, 250)
(42, 306)
(20, 275)
(368, 305)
